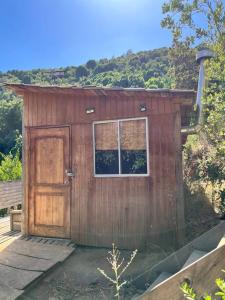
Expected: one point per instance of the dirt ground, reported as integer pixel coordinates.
(78, 277)
(199, 213)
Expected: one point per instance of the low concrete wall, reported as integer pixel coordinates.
(173, 263)
(11, 193)
(201, 274)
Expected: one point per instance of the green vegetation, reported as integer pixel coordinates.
(10, 167)
(190, 294)
(128, 70)
(204, 153)
(148, 69)
(10, 122)
(10, 164)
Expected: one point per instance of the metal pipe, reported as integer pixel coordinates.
(200, 58)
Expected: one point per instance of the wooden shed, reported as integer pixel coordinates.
(103, 165)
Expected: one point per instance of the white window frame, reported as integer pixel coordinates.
(118, 140)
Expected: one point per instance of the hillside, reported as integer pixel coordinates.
(142, 69)
(149, 69)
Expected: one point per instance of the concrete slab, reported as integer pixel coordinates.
(31, 248)
(23, 262)
(16, 278)
(8, 293)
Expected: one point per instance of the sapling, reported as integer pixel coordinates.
(119, 266)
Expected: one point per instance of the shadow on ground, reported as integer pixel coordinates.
(78, 277)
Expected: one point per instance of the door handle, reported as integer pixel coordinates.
(69, 173)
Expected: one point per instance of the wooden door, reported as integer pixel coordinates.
(50, 187)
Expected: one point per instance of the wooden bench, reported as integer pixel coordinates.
(15, 220)
(11, 194)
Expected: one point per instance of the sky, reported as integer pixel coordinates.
(58, 33)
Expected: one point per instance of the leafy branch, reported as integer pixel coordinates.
(190, 294)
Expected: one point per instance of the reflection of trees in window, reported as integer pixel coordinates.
(134, 162)
(120, 147)
(107, 162)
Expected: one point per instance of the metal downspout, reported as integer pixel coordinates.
(200, 58)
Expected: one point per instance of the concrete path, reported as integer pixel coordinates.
(23, 260)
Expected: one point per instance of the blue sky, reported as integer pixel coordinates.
(54, 33)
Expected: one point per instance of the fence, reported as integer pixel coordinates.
(11, 194)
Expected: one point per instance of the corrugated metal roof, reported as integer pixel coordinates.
(98, 91)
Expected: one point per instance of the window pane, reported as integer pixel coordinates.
(133, 135)
(133, 162)
(133, 147)
(106, 136)
(106, 148)
(106, 162)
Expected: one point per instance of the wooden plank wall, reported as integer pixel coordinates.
(132, 211)
(10, 194)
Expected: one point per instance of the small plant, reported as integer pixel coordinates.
(190, 294)
(10, 167)
(118, 267)
(188, 291)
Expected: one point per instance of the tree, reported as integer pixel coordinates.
(154, 83)
(91, 64)
(180, 19)
(136, 80)
(181, 16)
(207, 155)
(184, 68)
(10, 124)
(215, 100)
(81, 71)
(10, 167)
(26, 79)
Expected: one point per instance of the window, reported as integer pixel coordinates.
(120, 147)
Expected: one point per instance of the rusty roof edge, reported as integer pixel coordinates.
(72, 87)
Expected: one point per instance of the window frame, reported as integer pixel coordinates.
(119, 148)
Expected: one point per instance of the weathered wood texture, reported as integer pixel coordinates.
(15, 220)
(130, 211)
(49, 198)
(11, 193)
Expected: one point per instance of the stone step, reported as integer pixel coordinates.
(163, 276)
(195, 255)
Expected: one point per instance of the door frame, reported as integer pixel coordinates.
(27, 172)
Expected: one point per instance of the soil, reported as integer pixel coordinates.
(199, 213)
(78, 277)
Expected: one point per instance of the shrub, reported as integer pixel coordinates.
(11, 167)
